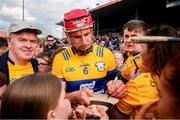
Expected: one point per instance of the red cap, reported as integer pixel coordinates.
(77, 19)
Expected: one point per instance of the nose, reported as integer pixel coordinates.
(28, 44)
(128, 39)
(83, 40)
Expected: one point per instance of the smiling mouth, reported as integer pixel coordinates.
(27, 51)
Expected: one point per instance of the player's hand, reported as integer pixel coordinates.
(80, 97)
(83, 96)
(117, 90)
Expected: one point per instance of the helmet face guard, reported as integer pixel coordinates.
(77, 19)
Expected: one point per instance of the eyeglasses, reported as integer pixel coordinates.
(42, 65)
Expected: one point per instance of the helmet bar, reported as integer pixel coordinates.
(77, 29)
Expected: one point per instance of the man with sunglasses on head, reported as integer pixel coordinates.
(18, 60)
(85, 68)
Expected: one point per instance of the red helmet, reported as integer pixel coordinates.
(77, 19)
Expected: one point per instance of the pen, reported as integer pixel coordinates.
(115, 79)
(113, 83)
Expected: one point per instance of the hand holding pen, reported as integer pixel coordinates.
(116, 88)
(113, 84)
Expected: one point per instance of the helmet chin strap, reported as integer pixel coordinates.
(83, 52)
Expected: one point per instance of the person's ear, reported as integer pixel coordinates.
(51, 115)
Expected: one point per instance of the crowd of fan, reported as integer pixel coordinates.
(111, 40)
(144, 69)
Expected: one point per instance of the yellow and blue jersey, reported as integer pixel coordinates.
(84, 71)
(140, 90)
(134, 61)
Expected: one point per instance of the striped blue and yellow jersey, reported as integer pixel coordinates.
(84, 71)
(134, 61)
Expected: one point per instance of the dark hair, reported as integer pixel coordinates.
(171, 77)
(3, 80)
(49, 36)
(45, 56)
(31, 97)
(3, 42)
(161, 53)
(135, 24)
(163, 30)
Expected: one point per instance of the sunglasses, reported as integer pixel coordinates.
(50, 40)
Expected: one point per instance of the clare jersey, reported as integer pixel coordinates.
(84, 71)
(140, 90)
(133, 62)
(18, 71)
